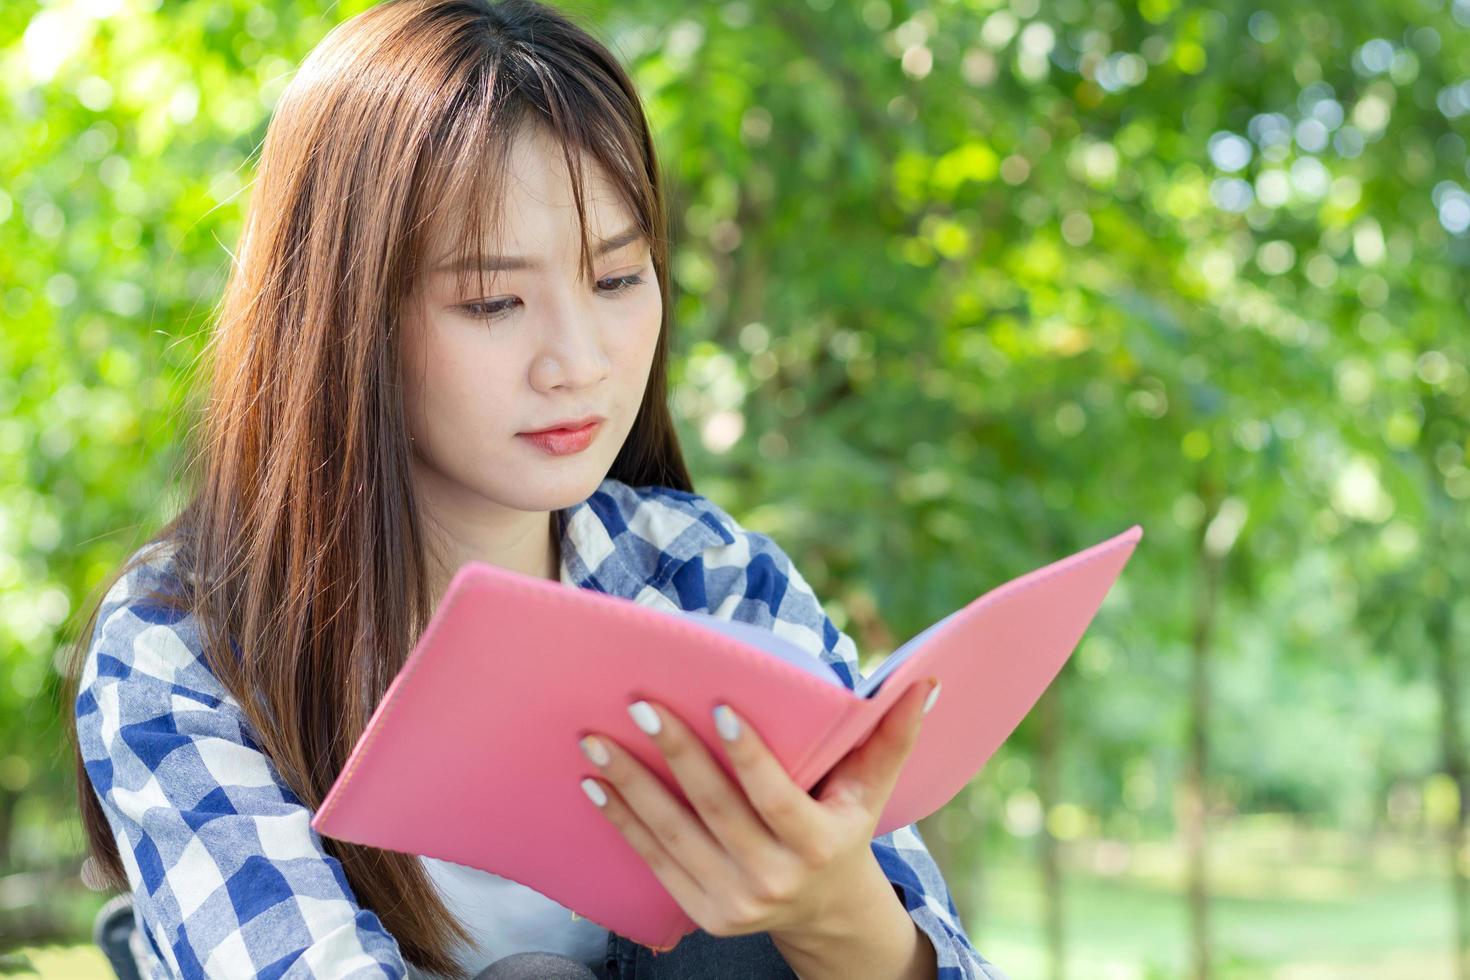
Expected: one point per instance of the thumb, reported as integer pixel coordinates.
(865, 777)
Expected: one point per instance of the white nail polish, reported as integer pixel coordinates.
(594, 750)
(933, 696)
(594, 792)
(645, 717)
(726, 723)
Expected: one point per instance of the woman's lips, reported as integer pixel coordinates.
(562, 442)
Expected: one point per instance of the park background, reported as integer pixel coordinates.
(960, 287)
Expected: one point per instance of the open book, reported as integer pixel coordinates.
(472, 754)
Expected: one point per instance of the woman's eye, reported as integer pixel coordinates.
(485, 311)
(490, 310)
(622, 283)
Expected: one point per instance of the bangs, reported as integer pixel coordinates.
(469, 172)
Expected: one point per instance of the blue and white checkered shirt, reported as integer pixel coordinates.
(227, 876)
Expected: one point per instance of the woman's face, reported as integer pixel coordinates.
(535, 347)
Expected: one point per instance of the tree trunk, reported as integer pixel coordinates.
(978, 802)
(943, 851)
(1452, 746)
(1207, 595)
(8, 801)
(1047, 782)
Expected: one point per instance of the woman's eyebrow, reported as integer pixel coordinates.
(493, 263)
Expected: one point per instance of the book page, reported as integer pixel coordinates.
(764, 639)
(868, 686)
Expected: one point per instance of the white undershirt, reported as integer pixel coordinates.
(505, 917)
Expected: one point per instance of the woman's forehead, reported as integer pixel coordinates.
(517, 227)
(527, 205)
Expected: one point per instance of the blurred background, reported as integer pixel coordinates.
(961, 287)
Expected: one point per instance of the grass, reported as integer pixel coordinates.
(64, 963)
(1288, 905)
(1121, 929)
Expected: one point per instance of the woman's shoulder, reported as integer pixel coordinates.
(659, 529)
(152, 567)
(142, 624)
(647, 542)
(688, 542)
(674, 521)
(709, 562)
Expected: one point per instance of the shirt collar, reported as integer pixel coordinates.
(623, 539)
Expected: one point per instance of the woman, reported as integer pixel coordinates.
(456, 241)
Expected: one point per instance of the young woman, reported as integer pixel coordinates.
(455, 253)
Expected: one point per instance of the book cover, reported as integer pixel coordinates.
(472, 754)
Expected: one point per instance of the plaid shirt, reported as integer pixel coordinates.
(227, 876)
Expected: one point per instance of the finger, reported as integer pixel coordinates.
(676, 879)
(865, 777)
(677, 829)
(718, 800)
(793, 816)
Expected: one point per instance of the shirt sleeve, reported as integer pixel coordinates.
(228, 878)
(753, 580)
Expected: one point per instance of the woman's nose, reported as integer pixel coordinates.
(573, 354)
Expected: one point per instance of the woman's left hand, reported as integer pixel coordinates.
(763, 855)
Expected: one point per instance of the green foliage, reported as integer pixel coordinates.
(960, 287)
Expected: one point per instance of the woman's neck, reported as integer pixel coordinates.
(537, 555)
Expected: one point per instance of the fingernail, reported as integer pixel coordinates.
(644, 717)
(933, 696)
(594, 792)
(594, 750)
(726, 723)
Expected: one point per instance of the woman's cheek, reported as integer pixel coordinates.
(650, 319)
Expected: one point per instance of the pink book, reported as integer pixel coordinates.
(472, 754)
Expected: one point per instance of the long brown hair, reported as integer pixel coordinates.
(300, 542)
